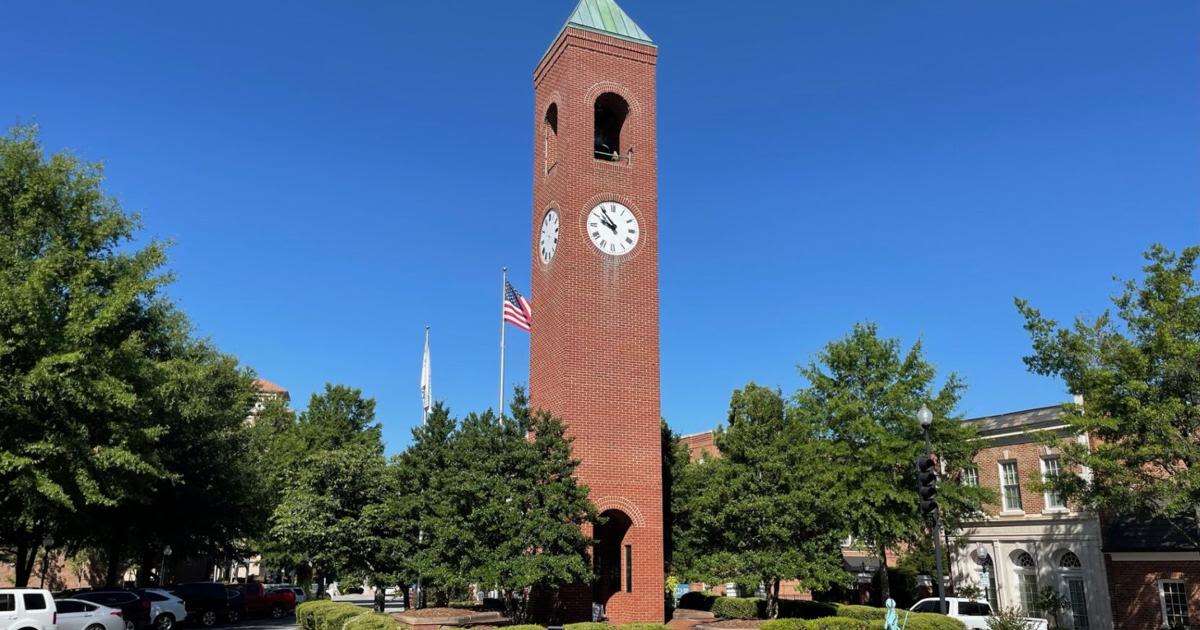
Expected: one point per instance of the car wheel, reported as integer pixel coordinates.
(233, 616)
(277, 612)
(164, 621)
(95, 626)
(208, 618)
(129, 625)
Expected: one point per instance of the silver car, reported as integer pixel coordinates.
(76, 614)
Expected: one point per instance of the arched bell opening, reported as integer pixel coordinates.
(612, 557)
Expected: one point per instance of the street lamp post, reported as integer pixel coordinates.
(162, 569)
(47, 543)
(925, 417)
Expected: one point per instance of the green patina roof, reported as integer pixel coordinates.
(604, 16)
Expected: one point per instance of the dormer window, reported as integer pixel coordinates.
(611, 111)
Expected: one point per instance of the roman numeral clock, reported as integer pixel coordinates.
(594, 346)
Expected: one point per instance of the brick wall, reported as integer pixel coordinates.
(594, 349)
(1027, 456)
(1133, 589)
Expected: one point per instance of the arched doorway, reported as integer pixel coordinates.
(611, 559)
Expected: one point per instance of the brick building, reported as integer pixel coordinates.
(1031, 539)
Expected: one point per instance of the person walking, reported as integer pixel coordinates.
(380, 597)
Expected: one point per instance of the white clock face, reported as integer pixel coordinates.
(613, 228)
(548, 241)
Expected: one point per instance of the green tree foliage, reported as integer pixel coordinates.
(676, 516)
(767, 510)
(100, 382)
(1139, 374)
(863, 396)
(323, 513)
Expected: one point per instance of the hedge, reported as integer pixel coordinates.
(696, 600)
(736, 607)
(335, 616)
(865, 613)
(376, 621)
(527, 626)
(837, 623)
(922, 621)
(588, 625)
(785, 624)
(305, 612)
(805, 609)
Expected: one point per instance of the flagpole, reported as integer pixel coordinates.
(503, 297)
(426, 396)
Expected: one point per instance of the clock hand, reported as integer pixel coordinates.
(612, 225)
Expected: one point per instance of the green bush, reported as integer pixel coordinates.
(930, 621)
(805, 609)
(527, 626)
(864, 613)
(736, 607)
(786, 624)
(306, 613)
(696, 600)
(375, 621)
(642, 626)
(837, 623)
(587, 625)
(335, 616)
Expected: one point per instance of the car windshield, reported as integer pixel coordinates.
(931, 606)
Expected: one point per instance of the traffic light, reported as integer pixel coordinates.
(927, 483)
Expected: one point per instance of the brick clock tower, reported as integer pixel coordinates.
(594, 356)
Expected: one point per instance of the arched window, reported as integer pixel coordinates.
(1073, 586)
(1026, 570)
(987, 581)
(550, 137)
(611, 111)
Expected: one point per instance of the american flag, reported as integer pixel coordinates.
(516, 308)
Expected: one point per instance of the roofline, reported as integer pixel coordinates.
(586, 29)
(1013, 413)
(709, 432)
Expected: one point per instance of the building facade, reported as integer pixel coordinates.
(1031, 539)
(594, 344)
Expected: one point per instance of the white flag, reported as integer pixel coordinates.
(426, 379)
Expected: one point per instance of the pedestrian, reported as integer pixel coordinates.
(380, 596)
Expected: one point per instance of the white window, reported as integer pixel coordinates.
(1027, 582)
(1072, 574)
(1010, 487)
(1051, 469)
(970, 477)
(1173, 596)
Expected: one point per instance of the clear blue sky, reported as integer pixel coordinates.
(337, 175)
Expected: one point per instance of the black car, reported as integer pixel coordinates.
(134, 606)
(207, 603)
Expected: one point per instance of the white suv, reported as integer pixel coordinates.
(27, 608)
(973, 613)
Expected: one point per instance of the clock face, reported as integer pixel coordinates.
(548, 241)
(613, 228)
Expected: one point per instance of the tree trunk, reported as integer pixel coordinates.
(24, 561)
(113, 574)
(885, 589)
(773, 598)
(145, 565)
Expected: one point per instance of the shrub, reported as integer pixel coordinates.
(587, 625)
(527, 626)
(805, 609)
(1007, 619)
(786, 624)
(335, 616)
(736, 607)
(696, 600)
(930, 621)
(306, 613)
(837, 623)
(642, 626)
(864, 613)
(373, 621)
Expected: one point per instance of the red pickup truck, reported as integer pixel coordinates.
(257, 600)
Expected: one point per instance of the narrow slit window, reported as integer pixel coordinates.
(628, 568)
(550, 137)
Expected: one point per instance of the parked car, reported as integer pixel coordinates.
(134, 606)
(206, 603)
(77, 614)
(256, 599)
(27, 608)
(296, 590)
(974, 614)
(166, 609)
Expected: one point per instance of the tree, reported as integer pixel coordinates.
(323, 513)
(768, 509)
(1139, 374)
(863, 395)
(85, 339)
(676, 517)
